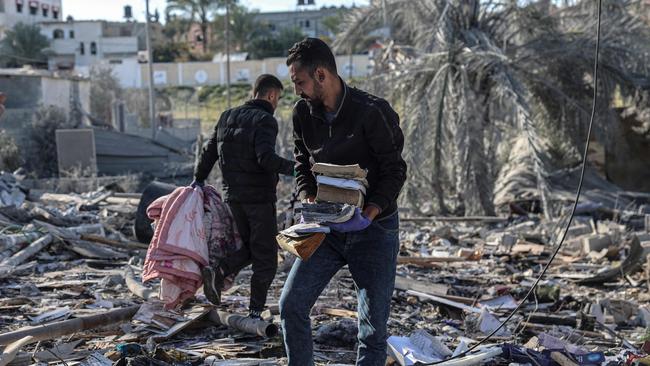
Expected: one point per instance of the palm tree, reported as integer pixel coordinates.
(198, 10)
(24, 45)
(243, 27)
(470, 76)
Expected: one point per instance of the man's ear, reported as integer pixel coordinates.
(320, 74)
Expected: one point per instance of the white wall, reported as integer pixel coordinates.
(128, 73)
(56, 92)
(87, 33)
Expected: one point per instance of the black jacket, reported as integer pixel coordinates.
(244, 143)
(365, 131)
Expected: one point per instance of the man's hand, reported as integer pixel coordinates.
(309, 199)
(371, 211)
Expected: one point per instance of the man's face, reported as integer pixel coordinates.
(305, 85)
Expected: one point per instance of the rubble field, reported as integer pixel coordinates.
(70, 291)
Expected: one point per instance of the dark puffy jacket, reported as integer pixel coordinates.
(365, 131)
(244, 144)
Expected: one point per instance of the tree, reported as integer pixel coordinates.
(244, 28)
(201, 11)
(42, 134)
(270, 45)
(104, 90)
(175, 27)
(172, 52)
(470, 76)
(24, 45)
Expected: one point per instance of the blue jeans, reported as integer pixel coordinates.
(371, 256)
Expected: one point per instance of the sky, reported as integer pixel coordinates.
(114, 9)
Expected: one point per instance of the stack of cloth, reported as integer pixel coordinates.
(193, 228)
(341, 191)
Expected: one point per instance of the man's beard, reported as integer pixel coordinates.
(315, 100)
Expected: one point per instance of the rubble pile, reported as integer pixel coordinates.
(69, 266)
(10, 191)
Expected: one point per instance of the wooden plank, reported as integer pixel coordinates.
(28, 251)
(195, 314)
(405, 284)
(442, 300)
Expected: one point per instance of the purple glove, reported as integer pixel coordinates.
(358, 222)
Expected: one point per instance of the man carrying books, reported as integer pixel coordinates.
(244, 144)
(340, 125)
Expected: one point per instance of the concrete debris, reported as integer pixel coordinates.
(70, 263)
(11, 194)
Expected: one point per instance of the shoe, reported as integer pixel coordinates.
(254, 314)
(212, 284)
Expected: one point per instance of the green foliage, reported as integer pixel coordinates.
(270, 45)
(104, 89)
(173, 52)
(243, 29)
(201, 11)
(42, 156)
(333, 23)
(23, 45)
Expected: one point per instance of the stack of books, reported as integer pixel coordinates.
(340, 183)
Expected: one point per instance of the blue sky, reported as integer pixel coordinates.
(113, 9)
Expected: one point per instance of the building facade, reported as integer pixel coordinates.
(83, 44)
(309, 21)
(13, 12)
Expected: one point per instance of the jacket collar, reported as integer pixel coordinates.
(319, 112)
(260, 103)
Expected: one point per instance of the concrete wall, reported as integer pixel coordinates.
(56, 92)
(209, 73)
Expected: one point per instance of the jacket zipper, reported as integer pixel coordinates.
(330, 130)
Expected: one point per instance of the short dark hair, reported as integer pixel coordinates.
(265, 83)
(312, 53)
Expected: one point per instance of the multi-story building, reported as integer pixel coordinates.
(13, 12)
(85, 43)
(309, 20)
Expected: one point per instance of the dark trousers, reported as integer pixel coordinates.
(371, 257)
(257, 225)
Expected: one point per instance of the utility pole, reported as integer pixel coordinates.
(228, 52)
(152, 106)
(385, 16)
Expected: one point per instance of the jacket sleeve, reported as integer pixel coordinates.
(209, 153)
(386, 142)
(304, 176)
(266, 133)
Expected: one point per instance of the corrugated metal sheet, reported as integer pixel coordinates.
(119, 153)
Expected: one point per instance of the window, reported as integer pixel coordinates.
(33, 10)
(55, 14)
(19, 8)
(306, 23)
(45, 12)
(71, 34)
(93, 48)
(2, 6)
(82, 49)
(58, 34)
